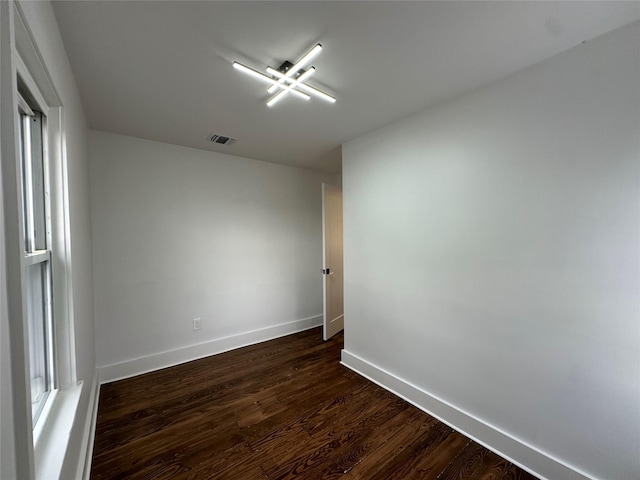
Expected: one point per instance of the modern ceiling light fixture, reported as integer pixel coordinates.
(289, 78)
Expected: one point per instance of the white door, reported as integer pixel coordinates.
(332, 258)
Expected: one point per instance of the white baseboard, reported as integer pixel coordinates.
(507, 446)
(138, 366)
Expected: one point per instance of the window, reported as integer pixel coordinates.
(37, 253)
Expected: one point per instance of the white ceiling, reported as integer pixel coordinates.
(162, 70)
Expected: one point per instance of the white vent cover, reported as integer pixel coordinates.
(220, 139)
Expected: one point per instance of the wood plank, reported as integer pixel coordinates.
(516, 473)
(431, 442)
(492, 467)
(465, 463)
(325, 438)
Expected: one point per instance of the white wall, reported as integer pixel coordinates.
(492, 255)
(51, 58)
(180, 233)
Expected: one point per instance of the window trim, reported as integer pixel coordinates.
(59, 254)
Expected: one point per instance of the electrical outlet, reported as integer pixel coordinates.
(197, 324)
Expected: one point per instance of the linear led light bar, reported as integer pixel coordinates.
(261, 76)
(306, 58)
(297, 83)
(289, 80)
(316, 92)
(293, 83)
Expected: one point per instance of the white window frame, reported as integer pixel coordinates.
(36, 219)
(34, 78)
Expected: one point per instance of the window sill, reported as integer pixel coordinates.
(51, 435)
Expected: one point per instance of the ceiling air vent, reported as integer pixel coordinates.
(221, 139)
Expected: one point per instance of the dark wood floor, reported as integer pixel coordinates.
(280, 409)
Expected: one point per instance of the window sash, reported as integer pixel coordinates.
(40, 348)
(37, 258)
(33, 180)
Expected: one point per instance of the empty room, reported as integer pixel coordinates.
(319, 239)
